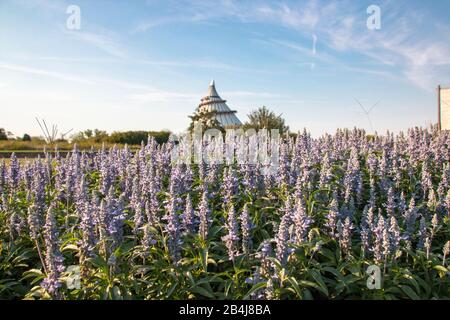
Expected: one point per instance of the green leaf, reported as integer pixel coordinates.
(296, 286)
(69, 247)
(318, 277)
(171, 290)
(204, 259)
(255, 288)
(442, 270)
(202, 291)
(409, 292)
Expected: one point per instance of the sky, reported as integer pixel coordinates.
(144, 65)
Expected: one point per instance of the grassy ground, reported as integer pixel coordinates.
(39, 146)
(30, 150)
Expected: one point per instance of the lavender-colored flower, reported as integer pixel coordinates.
(230, 185)
(53, 257)
(410, 217)
(386, 241)
(87, 221)
(249, 179)
(432, 202)
(301, 222)
(423, 234)
(379, 240)
(284, 165)
(3, 176)
(394, 236)
(270, 290)
(365, 238)
(325, 171)
(427, 183)
(352, 176)
(147, 240)
(390, 205)
(117, 218)
(282, 238)
(447, 203)
(332, 217)
(401, 205)
(110, 219)
(105, 175)
(366, 226)
(204, 217)
(34, 222)
(189, 216)
(14, 172)
(246, 228)
(263, 256)
(16, 225)
(231, 238)
(434, 224)
(345, 236)
(372, 192)
(38, 190)
(427, 246)
(264, 271)
(446, 252)
(172, 230)
(137, 206)
(103, 220)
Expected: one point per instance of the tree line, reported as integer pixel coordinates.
(261, 118)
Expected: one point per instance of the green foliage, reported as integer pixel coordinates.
(137, 137)
(26, 137)
(204, 118)
(94, 136)
(263, 118)
(315, 269)
(3, 135)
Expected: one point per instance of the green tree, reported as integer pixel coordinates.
(263, 118)
(88, 133)
(26, 137)
(92, 135)
(99, 135)
(3, 135)
(137, 137)
(206, 119)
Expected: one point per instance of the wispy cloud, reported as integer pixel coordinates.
(104, 41)
(164, 96)
(410, 44)
(46, 73)
(204, 64)
(194, 98)
(85, 80)
(421, 58)
(54, 5)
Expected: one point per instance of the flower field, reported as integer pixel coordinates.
(117, 224)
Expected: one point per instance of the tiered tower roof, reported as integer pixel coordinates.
(212, 102)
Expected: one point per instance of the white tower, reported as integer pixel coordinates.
(212, 102)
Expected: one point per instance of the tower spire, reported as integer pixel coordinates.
(212, 102)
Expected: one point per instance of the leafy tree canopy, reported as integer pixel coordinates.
(263, 118)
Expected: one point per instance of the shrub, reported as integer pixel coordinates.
(137, 137)
(3, 135)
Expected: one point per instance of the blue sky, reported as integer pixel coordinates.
(144, 65)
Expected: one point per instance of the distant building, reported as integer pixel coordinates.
(212, 102)
(444, 108)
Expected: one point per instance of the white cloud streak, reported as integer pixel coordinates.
(410, 43)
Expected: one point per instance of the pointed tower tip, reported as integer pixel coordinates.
(212, 83)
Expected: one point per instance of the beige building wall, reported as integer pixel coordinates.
(445, 108)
